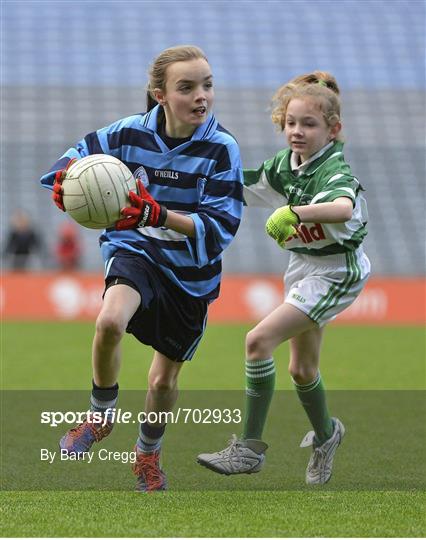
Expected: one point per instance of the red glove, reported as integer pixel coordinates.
(57, 186)
(144, 212)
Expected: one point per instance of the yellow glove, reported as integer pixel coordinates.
(280, 224)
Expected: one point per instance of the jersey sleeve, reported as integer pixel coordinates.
(258, 190)
(339, 185)
(219, 212)
(97, 142)
(48, 179)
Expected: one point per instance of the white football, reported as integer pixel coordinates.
(95, 189)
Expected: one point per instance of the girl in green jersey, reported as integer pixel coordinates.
(321, 218)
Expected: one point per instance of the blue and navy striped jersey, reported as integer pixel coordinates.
(201, 178)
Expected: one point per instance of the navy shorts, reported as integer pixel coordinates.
(168, 319)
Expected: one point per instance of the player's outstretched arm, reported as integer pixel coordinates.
(337, 211)
(145, 211)
(180, 223)
(284, 221)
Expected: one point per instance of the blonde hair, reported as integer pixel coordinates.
(157, 71)
(320, 85)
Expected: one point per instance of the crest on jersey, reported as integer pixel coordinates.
(142, 175)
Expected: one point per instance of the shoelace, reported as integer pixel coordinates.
(147, 465)
(232, 449)
(98, 431)
(318, 456)
(77, 431)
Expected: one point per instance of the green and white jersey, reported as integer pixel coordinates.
(323, 178)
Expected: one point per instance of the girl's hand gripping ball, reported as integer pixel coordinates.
(57, 194)
(143, 212)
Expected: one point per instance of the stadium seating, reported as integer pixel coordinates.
(64, 77)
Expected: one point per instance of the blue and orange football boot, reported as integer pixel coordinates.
(80, 439)
(147, 469)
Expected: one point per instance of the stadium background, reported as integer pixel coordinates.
(68, 69)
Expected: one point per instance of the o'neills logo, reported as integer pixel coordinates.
(309, 234)
(172, 175)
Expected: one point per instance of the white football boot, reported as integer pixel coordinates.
(242, 456)
(320, 464)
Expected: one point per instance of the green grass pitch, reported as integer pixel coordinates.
(56, 356)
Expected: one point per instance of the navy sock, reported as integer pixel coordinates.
(103, 399)
(150, 437)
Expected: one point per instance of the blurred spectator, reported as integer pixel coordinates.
(22, 241)
(68, 247)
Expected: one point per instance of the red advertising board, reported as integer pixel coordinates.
(244, 298)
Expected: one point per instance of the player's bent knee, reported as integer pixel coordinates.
(302, 374)
(109, 327)
(162, 383)
(256, 346)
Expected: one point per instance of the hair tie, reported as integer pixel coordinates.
(322, 83)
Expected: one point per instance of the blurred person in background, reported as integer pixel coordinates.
(22, 242)
(68, 247)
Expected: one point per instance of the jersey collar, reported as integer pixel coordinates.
(203, 132)
(311, 165)
(299, 169)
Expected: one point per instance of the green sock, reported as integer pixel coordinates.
(312, 397)
(260, 377)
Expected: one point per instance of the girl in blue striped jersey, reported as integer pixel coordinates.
(163, 258)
